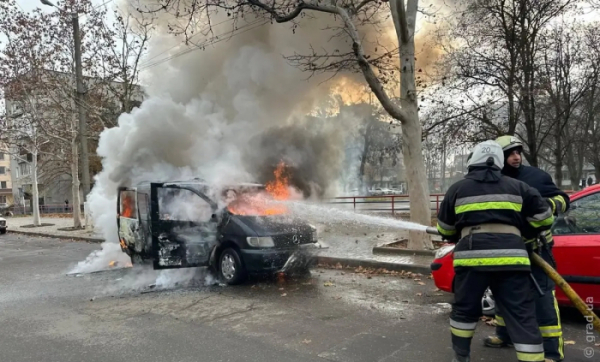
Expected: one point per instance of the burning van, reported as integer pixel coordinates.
(236, 230)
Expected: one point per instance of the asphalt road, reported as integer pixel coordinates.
(46, 315)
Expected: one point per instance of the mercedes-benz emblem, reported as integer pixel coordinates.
(295, 239)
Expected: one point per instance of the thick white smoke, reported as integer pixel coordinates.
(202, 110)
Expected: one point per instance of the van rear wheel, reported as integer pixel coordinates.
(231, 268)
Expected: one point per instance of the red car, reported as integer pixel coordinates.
(576, 250)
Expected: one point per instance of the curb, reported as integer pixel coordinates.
(54, 236)
(396, 251)
(355, 263)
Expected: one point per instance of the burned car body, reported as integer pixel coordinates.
(184, 224)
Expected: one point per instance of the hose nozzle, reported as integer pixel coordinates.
(431, 230)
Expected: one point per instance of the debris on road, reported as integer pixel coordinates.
(375, 271)
(489, 321)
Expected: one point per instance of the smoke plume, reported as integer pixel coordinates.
(311, 152)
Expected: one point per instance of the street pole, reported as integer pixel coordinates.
(85, 162)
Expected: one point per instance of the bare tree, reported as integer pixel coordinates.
(565, 75)
(352, 14)
(590, 109)
(21, 133)
(120, 92)
(39, 51)
(498, 54)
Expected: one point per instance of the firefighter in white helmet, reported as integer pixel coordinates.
(486, 214)
(547, 312)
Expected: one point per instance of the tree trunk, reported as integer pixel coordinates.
(404, 23)
(363, 159)
(574, 169)
(420, 211)
(558, 164)
(416, 177)
(580, 160)
(35, 195)
(75, 181)
(597, 169)
(443, 185)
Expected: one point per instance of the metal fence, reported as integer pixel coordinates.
(387, 203)
(44, 209)
(384, 203)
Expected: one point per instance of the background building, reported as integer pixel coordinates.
(6, 193)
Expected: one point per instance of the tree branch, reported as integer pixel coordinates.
(294, 13)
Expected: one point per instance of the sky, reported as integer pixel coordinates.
(29, 5)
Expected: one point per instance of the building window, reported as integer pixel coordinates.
(2, 170)
(1, 156)
(3, 185)
(2, 199)
(24, 169)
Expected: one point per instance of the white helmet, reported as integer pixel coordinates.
(488, 304)
(483, 151)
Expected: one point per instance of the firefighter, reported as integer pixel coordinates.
(547, 313)
(486, 214)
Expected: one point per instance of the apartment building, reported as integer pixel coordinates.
(6, 193)
(53, 175)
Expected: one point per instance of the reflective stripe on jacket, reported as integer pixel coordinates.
(486, 197)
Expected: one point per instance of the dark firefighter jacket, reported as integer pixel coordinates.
(541, 181)
(484, 196)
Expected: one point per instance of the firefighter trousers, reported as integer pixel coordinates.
(514, 291)
(547, 314)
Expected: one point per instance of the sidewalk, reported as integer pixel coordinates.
(15, 226)
(352, 244)
(348, 245)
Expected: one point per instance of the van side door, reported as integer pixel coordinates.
(184, 227)
(128, 223)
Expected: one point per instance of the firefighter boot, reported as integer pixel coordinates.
(459, 358)
(496, 342)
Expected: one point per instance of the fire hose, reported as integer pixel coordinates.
(586, 310)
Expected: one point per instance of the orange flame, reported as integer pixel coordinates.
(115, 263)
(261, 204)
(280, 187)
(127, 206)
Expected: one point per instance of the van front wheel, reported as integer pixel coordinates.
(231, 269)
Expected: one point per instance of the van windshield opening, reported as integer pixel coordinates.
(252, 202)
